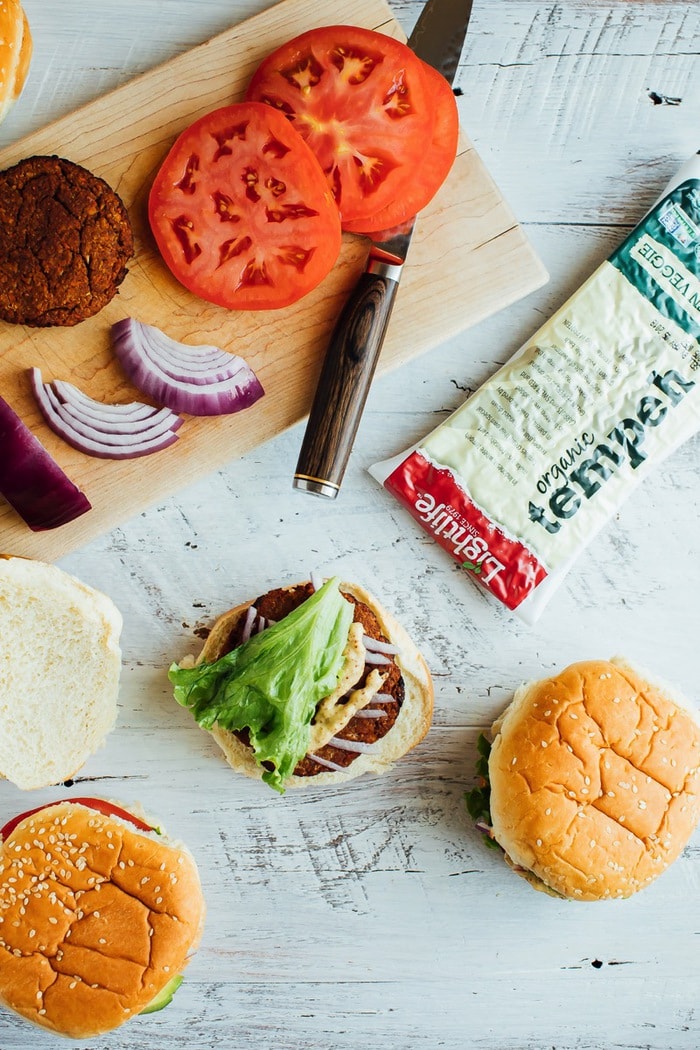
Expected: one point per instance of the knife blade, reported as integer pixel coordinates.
(358, 335)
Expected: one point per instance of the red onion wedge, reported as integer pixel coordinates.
(104, 431)
(30, 479)
(199, 380)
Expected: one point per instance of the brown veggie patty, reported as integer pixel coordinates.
(65, 239)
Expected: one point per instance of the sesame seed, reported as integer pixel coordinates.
(539, 842)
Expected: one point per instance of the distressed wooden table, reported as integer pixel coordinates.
(373, 915)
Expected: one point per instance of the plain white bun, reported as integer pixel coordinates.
(60, 664)
(411, 725)
(595, 780)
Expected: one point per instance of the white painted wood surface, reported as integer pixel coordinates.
(373, 915)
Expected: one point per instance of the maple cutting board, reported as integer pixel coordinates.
(468, 259)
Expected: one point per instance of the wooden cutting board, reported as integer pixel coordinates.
(468, 259)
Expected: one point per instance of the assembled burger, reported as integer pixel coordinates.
(99, 913)
(309, 684)
(591, 784)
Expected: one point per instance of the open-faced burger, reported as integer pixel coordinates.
(309, 685)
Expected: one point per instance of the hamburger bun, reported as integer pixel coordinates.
(404, 682)
(97, 918)
(60, 664)
(15, 53)
(595, 780)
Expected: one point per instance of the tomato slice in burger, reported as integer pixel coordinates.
(241, 211)
(100, 804)
(438, 158)
(362, 102)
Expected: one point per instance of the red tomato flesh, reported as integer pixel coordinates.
(241, 211)
(362, 102)
(438, 158)
(92, 803)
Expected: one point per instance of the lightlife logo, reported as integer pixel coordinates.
(464, 544)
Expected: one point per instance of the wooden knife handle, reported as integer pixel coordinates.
(343, 385)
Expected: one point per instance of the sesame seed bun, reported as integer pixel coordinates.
(96, 917)
(595, 780)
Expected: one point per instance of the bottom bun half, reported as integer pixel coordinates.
(411, 723)
(97, 917)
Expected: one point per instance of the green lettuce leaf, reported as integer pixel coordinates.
(272, 683)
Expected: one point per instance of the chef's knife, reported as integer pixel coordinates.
(356, 340)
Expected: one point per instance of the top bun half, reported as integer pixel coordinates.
(97, 917)
(595, 779)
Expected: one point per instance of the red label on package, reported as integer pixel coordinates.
(441, 506)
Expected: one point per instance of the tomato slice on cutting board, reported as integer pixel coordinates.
(437, 159)
(364, 105)
(241, 211)
(100, 804)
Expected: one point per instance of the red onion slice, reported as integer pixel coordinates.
(71, 395)
(350, 745)
(199, 380)
(370, 712)
(327, 763)
(250, 618)
(99, 434)
(374, 645)
(30, 479)
(376, 659)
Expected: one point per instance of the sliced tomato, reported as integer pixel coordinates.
(241, 211)
(438, 158)
(92, 803)
(362, 102)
